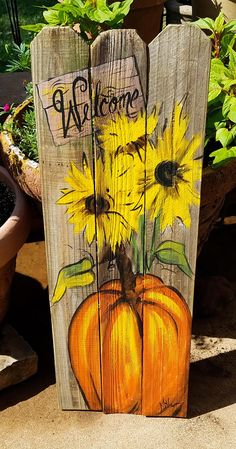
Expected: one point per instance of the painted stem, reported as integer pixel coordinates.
(127, 277)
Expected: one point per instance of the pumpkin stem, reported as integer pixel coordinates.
(127, 277)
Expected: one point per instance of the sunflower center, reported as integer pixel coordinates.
(97, 204)
(166, 173)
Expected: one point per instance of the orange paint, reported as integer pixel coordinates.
(144, 349)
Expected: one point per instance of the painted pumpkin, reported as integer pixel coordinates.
(142, 364)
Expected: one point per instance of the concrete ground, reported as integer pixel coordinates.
(31, 419)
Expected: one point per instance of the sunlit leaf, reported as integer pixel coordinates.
(34, 28)
(219, 23)
(52, 17)
(232, 111)
(224, 136)
(205, 24)
(223, 156)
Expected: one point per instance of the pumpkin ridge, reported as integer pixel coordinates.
(95, 389)
(169, 313)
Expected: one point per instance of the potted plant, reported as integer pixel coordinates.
(19, 147)
(14, 229)
(91, 18)
(220, 143)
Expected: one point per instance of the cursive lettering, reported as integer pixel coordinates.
(76, 111)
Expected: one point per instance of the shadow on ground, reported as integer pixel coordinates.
(29, 314)
(212, 384)
(212, 380)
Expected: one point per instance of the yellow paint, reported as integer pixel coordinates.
(145, 372)
(116, 214)
(79, 274)
(122, 133)
(175, 148)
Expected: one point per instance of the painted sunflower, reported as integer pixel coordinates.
(111, 215)
(172, 173)
(123, 134)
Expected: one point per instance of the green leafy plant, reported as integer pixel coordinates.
(19, 57)
(25, 135)
(23, 132)
(221, 114)
(6, 109)
(89, 17)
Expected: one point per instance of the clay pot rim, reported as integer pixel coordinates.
(15, 230)
(7, 135)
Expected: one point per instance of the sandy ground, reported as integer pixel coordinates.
(30, 417)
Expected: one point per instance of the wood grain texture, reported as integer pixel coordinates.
(179, 80)
(56, 52)
(132, 194)
(125, 56)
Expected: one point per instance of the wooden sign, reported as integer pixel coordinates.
(121, 131)
(66, 99)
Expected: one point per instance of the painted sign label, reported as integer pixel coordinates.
(67, 102)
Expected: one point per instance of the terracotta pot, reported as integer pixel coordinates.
(146, 17)
(215, 186)
(23, 170)
(211, 8)
(13, 234)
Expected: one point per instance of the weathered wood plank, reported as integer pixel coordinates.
(60, 60)
(178, 86)
(123, 56)
(122, 286)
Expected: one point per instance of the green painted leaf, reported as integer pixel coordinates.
(78, 274)
(173, 253)
(80, 280)
(155, 237)
(80, 267)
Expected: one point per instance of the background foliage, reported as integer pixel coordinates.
(28, 13)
